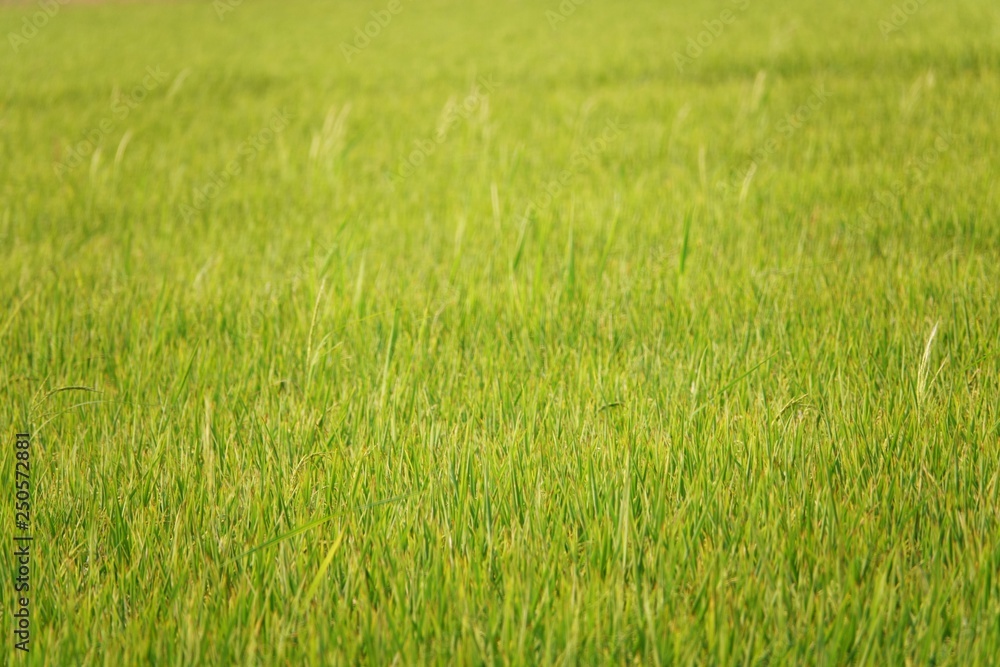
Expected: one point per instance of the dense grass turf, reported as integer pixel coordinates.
(652, 365)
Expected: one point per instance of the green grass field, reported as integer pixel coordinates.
(658, 333)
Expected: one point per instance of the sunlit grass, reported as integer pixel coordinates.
(721, 387)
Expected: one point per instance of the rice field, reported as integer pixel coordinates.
(505, 333)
